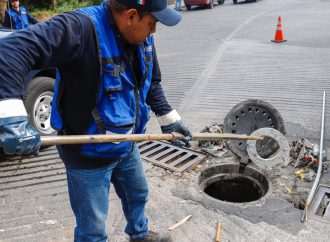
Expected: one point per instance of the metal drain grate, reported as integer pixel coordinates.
(320, 207)
(168, 156)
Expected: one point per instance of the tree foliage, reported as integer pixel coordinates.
(56, 5)
(3, 7)
(51, 4)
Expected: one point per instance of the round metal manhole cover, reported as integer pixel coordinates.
(248, 116)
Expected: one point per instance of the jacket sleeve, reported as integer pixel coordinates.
(156, 98)
(49, 44)
(7, 22)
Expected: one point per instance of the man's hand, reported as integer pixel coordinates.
(16, 134)
(172, 122)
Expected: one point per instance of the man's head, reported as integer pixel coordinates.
(136, 19)
(157, 8)
(14, 4)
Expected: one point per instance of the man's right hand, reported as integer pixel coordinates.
(17, 136)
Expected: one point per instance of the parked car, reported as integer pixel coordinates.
(208, 3)
(38, 96)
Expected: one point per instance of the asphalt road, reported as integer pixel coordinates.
(217, 58)
(214, 59)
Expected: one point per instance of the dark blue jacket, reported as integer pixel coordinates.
(18, 19)
(68, 42)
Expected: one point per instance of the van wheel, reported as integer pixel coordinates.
(221, 2)
(235, 1)
(188, 7)
(38, 103)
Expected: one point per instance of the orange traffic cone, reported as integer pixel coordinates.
(279, 35)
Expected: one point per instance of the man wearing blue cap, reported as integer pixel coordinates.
(107, 81)
(17, 17)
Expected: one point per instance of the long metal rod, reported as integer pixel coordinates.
(319, 169)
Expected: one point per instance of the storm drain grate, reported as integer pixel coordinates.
(169, 156)
(320, 207)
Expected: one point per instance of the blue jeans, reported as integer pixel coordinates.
(89, 197)
(178, 5)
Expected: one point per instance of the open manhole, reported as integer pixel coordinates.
(320, 207)
(225, 183)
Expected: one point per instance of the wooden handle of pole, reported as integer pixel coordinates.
(105, 138)
(102, 138)
(218, 136)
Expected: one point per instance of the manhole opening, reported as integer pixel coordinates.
(323, 206)
(225, 183)
(235, 189)
(320, 206)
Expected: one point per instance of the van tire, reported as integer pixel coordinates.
(37, 100)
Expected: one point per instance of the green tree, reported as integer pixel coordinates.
(37, 4)
(53, 5)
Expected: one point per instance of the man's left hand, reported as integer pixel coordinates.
(172, 123)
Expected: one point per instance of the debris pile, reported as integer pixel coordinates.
(215, 148)
(305, 156)
(306, 174)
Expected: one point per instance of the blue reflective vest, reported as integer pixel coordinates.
(19, 20)
(121, 106)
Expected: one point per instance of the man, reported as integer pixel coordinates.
(108, 79)
(178, 5)
(17, 17)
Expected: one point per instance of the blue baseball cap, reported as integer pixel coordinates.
(158, 8)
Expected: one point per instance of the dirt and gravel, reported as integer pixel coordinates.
(175, 196)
